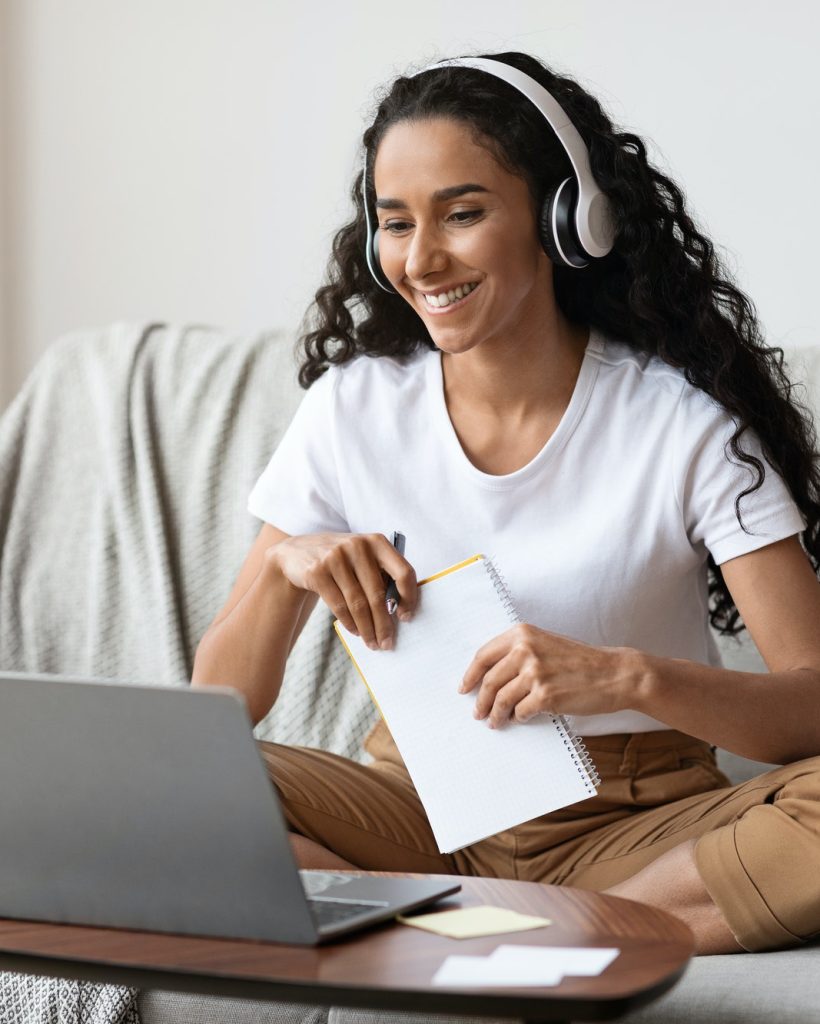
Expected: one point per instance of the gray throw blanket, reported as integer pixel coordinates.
(125, 465)
(31, 1000)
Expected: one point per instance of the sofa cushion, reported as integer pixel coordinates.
(160, 1007)
(742, 988)
(126, 461)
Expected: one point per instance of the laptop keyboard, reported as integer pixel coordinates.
(330, 912)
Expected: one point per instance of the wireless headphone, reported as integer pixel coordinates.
(575, 223)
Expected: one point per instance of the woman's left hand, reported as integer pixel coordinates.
(526, 671)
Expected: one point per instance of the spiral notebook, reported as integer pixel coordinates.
(472, 780)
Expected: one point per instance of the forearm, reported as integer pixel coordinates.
(249, 647)
(772, 717)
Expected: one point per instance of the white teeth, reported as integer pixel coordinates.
(445, 298)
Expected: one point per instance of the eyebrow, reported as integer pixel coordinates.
(443, 194)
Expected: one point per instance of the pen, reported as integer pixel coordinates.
(392, 595)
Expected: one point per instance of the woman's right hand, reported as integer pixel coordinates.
(347, 571)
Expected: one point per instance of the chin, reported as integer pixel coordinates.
(451, 345)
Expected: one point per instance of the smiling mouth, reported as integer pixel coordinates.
(446, 302)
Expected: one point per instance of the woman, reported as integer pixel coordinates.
(615, 432)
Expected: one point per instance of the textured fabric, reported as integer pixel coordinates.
(341, 1015)
(745, 988)
(372, 449)
(117, 461)
(158, 1007)
(124, 465)
(26, 999)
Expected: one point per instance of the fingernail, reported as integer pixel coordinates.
(404, 616)
(372, 645)
(386, 644)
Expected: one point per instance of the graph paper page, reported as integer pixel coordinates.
(472, 780)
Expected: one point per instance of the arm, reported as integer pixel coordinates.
(248, 643)
(772, 716)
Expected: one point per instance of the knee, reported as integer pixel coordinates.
(805, 772)
(310, 854)
(798, 782)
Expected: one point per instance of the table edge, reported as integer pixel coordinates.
(473, 1001)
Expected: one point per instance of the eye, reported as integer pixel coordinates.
(464, 216)
(394, 227)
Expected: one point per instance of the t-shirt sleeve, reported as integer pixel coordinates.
(710, 478)
(298, 491)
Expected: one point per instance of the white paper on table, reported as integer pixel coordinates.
(479, 972)
(577, 961)
(472, 780)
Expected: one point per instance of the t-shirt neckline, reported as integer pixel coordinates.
(443, 425)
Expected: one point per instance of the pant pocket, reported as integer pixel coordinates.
(689, 776)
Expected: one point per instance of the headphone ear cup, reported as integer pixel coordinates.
(556, 226)
(545, 229)
(379, 274)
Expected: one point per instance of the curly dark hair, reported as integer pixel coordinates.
(662, 289)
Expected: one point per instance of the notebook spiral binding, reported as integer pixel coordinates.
(502, 590)
(575, 744)
(580, 755)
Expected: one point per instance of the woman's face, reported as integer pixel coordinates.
(454, 222)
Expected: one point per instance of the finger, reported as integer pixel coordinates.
(372, 582)
(356, 600)
(506, 701)
(529, 707)
(334, 599)
(485, 658)
(499, 676)
(401, 571)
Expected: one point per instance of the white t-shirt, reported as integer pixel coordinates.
(602, 537)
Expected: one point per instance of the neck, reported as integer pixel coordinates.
(537, 375)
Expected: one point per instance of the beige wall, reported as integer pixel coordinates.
(190, 159)
(8, 374)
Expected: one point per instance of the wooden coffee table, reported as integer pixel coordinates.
(389, 967)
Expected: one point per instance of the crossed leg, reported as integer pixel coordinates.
(310, 854)
(738, 864)
(673, 883)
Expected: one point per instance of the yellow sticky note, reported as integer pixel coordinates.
(474, 921)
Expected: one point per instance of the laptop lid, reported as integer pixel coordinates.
(143, 807)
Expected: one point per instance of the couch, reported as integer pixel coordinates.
(125, 462)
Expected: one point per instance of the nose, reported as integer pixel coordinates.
(426, 253)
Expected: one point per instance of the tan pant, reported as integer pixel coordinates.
(758, 848)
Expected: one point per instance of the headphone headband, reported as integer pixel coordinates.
(576, 223)
(595, 233)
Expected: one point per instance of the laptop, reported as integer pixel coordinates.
(149, 807)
